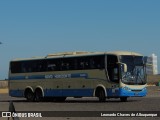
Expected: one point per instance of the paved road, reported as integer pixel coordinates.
(149, 103)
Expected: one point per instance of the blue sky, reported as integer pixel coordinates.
(38, 27)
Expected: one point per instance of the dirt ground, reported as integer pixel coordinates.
(4, 90)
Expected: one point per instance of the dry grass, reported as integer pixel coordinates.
(4, 90)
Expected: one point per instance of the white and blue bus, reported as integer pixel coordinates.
(118, 74)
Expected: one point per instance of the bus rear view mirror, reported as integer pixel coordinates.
(124, 67)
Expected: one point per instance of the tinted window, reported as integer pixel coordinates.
(62, 64)
(16, 67)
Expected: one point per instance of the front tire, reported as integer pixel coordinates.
(101, 96)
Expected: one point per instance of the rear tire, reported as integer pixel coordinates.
(29, 96)
(38, 95)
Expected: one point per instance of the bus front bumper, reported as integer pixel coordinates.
(125, 92)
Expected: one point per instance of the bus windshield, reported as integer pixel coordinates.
(135, 70)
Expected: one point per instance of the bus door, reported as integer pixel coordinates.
(113, 68)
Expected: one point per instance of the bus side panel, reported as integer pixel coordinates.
(78, 92)
(16, 93)
(15, 90)
(69, 92)
(74, 86)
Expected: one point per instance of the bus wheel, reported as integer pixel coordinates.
(123, 99)
(38, 95)
(101, 96)
(29, 96)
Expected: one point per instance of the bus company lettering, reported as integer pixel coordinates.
(58, 76)
(63, 76)
(83, 75)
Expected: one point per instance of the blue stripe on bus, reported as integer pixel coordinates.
(58, 93)
(17, 78)
(16, 93)
(50, 76)
(36, 77)
(82, 93)
(69, 92)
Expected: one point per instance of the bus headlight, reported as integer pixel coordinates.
(127, 88)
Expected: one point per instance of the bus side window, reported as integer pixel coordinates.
(69, 64)
(16, 67)
(29, 66)
(64, 66)
(84, 63)
(52, 65)
(42, 65)
(81, 65)
(99, 62)
(92, 63)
